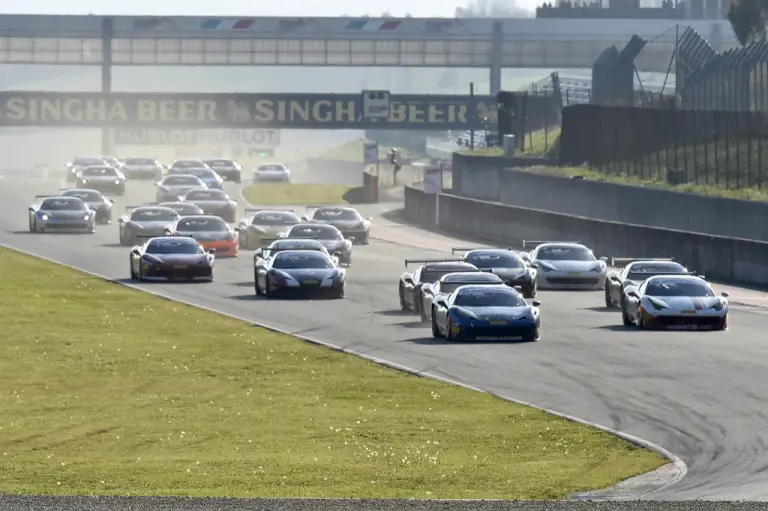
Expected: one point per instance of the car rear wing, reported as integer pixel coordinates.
(446, 260)
(128, 208)
(529, 243)
(270, 240)
(150, 236)
(256, 210)
(45, 196)
(469, 249)
(627, 260)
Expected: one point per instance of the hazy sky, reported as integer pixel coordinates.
(422, 8)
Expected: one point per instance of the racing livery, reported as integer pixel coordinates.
(183, 208)
(228, 169)
(142, 168)
(210, 231)
(634, 273)
(272, 172)
(513, 269)
(299, 273)
(144, 221)
(95, 201)
(175, 188)
(169, 259)
(566, 265)
(264, 223)
(486, 313)
(81, 162)
(328, 235)
(431, 270)
(61, 214)
(675, 302)
(103, 178)
(449, 283)
(213, 202)
(351, 224)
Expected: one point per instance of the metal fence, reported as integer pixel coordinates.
(716, 148)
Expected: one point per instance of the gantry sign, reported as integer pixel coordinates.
(214, 110)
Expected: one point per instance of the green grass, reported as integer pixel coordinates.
(107, 390)
(545, 143)
(270, 194)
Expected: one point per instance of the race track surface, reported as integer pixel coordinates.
(703, 396)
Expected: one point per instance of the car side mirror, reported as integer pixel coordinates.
(343, 265)
(725, 294)
(135, 251)
(615, 278)
(211, 251)
(441, 303)
(604, 259)
(633, 294)
(370, 219)
(519, 289)
(351, 238)
(408, 280)
(536, 303)
(533, 265)
(167, 232)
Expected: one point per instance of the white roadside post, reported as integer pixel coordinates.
(433, 185)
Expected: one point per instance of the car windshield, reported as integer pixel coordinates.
(275, 218)
(271, 167)
(201, 173)
(177, 246)
(336, 214)
(294, 261)
(669, 287)
(140, 161)
(296, 246)
(86, 161)
(100, 171)
(202, 224)
(181, 180)
(153, 215)
(450, 287)
(495, 259)
(187, 164)
(212, 195)
(85, 196)
(221, 163)
(488, 297)
(72, 204)
(430, 276)
(565, 253)
(184, 209)
(319, 233)
(643, 271)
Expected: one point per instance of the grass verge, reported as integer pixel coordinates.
(270, 194)
(543, 143)
(107, 390)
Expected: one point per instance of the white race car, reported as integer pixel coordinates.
(565, 265)
(675, 302)
(272, 172)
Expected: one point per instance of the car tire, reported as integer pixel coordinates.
(423, 313)
(366, 240)
(723, 325)
(32, 225)
(435, 332)
(641, 322)
(139, 274)
(536, 335)
(625, 319)
(256, 287)
(529, 291)
(608, 300)
(130, 269)
(403, 305)
(448, 334)
(340, 294)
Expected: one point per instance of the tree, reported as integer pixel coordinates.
(748, 19)
(495, 9)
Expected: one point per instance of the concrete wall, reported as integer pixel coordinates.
(482, 178)
(723, 258)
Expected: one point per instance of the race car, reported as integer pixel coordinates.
(299, 273)
(634, 273)
(61, 214)
(186, 163)
(112, 161)
(272, 172)
(81, 162)
(351, 224)
(449, 283)
(675, 302)
(208, 176)
(228, 169)
(264, 223)
(430, 272)
(175, 188)
(213, 202)
(328, 235)
(486, 313)
(142, 168)
(512, 268)
(144, 221)
(95, 200)
(102, 178)
(565, 265)
(281, 245)
(183, 208)
(210, 231)
(171, 258)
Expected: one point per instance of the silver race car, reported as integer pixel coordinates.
(634, 273)
(351, 223)
(449, 283)
(183, 208)
(272, 172)
(144, 221)
(328, 235)
(95, 200)
(142, 168)
(175, 188)
(103, 178)
(675, 302)
(61, 214)
(213, 202)
(566, 265)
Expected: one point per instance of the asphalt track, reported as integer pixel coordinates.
(702, 396)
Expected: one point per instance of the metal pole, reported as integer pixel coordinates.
(472, 107)
(107, 33)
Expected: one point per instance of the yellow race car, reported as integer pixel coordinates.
(260, 226)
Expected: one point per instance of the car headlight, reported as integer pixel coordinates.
(83, 180)
(657, 304)
(329, 281)
(229, 236)
(44, 217)
(117, 181)
(597, 267)
(87, 216)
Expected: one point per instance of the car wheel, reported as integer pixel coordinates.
(32, 227)
(130, 266)
(536, 335)
(366, 240)
(267, 288)
(435, 331)
(423, 313)
(122, 237)
(256, 284)
(723, 324)
(625, 319)
(140, 274)
(608, 300)
(641, 321)
(403, 305)
(448, 333)
(529, 291)
(340, 294)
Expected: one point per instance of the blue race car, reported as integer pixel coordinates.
(486, 313)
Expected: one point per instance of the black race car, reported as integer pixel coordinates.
(95, 200)
(171, 258)
(328, 235)
(430, 271)
(351, 223)
(228, 169)
(103, 178)
(513, 269)
(213, 202)
(183, 208)
(299, 273)
(634, 273)
(79, 163)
